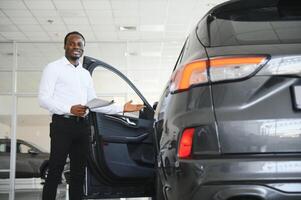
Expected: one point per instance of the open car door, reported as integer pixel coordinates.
(122, 155)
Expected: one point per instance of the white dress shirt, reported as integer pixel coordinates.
(64, 85)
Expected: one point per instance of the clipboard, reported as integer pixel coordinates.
(97, 103)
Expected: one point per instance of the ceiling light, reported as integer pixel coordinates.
(131, 54)
(144, 54)
(127, 28)
(50, 21)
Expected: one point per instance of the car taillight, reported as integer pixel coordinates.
(232, 68)
(220, 69)
(191, 74)
(287, 65)
(185, 146)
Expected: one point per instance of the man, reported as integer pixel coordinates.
(65, 88)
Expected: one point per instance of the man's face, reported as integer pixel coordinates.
(74, 47)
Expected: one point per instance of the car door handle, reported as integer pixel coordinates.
(122, 139)
(123, 120)
(129, 121)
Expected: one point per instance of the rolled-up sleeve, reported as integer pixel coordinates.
(46, 91)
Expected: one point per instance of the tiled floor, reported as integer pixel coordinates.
(36, 195)
(32, 190)
(22, 196)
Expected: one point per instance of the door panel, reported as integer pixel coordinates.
(127, 149)
(121, 160)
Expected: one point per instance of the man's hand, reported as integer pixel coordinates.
(78, 110)
(129, 107)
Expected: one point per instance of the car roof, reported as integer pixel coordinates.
(221, 10)
(8, 140)
(235, 18)
(242, 4)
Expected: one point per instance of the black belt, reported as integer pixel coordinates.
(71, 117)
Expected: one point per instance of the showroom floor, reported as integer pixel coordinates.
(37, 195)
(31, 189)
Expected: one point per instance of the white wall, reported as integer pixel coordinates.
(38, 135)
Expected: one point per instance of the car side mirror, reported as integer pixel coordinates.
(32, 152)
(155, 105)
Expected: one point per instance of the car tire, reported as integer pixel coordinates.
(44, 169)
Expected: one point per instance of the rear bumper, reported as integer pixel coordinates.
(259, 192)
(268, 178)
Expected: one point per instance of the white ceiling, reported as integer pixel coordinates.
(146, 55)
(99, 20)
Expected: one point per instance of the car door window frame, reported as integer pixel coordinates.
(179, 60)
(99, 63)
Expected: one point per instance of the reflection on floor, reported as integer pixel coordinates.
(37, 196)
(28, 189)
(31, 189)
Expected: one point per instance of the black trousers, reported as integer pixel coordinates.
(68, 136)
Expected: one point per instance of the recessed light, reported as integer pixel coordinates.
(127, 28)
(50, 21)
(131, 54)
(143, 54)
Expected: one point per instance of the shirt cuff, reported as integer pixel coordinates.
(120, 108)
(67, 109)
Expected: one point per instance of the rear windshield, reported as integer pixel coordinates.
(256, 26)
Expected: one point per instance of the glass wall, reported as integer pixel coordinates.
(21, 68)
(33, 121)
(6, 110)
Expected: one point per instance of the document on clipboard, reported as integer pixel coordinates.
(97, 103)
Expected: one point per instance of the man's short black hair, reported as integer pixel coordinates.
(76, 33)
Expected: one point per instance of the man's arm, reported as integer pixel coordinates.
(46, 90)
(115, 109)
(112, 109)
(129, 107)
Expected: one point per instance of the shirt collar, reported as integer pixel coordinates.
(67, 62)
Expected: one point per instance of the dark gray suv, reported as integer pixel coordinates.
(230, 118)
(228, 125)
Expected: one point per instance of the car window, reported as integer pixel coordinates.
(22, 148)
(185, 51)
(36, 147)
(228, 33)
(178, 63)
(3, 148)
(202, 31)
(110, 86)
(253, 27)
